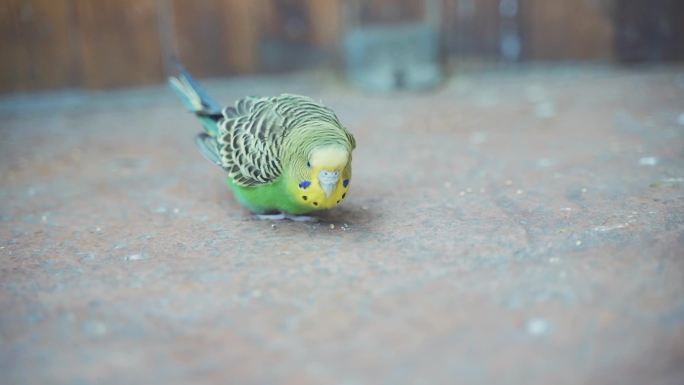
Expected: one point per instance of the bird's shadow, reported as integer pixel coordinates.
(351, 213)
(341, 216)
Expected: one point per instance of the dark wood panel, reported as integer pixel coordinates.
(649, 30)
(471, 28)
(201, 36)
(326, 18)
(219, 37)
(390, 11)
(111, 43)
(567, 30)
(243, 34)
(38, 45)
(120, 43)
(297, 34)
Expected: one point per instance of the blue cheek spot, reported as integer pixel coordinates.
(345, 182)
(304, 184)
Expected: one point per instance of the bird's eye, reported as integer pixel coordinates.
(308, 164)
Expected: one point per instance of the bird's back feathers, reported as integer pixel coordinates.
(260, 131)
(247, 139)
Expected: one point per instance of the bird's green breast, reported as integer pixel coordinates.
(268, 198)
(289, 196)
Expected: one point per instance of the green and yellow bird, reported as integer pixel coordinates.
(286, 156)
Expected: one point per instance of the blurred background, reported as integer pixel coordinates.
(48, 44)
(517, 219)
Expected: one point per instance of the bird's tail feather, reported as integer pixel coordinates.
(196, 100)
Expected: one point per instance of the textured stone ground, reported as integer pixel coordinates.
(512, 227)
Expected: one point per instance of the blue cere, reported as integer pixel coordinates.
(304, 184)
(345, 182)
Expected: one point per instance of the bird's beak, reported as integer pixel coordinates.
(328, 180)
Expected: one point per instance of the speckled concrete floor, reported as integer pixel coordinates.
(513, 227)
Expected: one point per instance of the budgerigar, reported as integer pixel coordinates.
(286, 156)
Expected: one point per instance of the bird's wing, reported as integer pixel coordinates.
(207, 145)
(249, 139)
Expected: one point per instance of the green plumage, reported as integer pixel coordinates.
(265, 144)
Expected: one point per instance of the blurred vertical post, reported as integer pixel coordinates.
(510, 43)
(472, 30)
(390, 45)
(167, 36)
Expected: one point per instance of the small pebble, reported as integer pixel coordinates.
(273, 226)
(135, 257)
(544, 162)
(680, 119)
(462, 193)
(519, 191)
(584, 190)
(176, 210)
(648, 161)
(447, 184)
(545, 110)
(578, 242)
(537, 327)
(364, 207)
(95, 328)
(535, 93)
(332, 226)
(477, 138)
(509, 182)
(673, 180)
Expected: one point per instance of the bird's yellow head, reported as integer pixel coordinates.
(323, 181)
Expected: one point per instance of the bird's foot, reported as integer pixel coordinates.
(270, 217)
(301, 218)
(283, 216)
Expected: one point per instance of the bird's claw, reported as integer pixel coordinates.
(282, 216)
(301, 218)
(270, 217)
